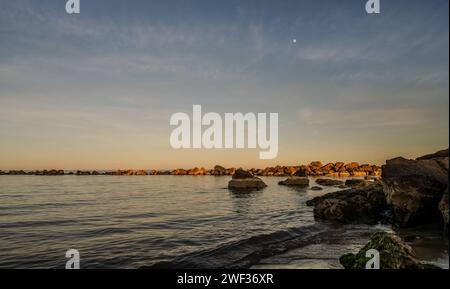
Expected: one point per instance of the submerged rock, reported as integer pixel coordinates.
(295, 181)
(414, 188)
(329, 182)
(249, 183)
(365, 205)
(316, 188)
(394, 254)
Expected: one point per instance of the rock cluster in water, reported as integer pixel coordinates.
(410, 193)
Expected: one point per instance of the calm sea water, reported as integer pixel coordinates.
(166, 221)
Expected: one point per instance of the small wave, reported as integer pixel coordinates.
(247, 252)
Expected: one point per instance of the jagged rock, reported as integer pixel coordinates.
(414, 188)
(329, 182)
(439, 154)
(295, 181)
(394, 254)
(365, 205)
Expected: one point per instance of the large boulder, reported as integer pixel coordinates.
(365, 205)
(295, 181)
(394, 254)
(329, 182)
(414, 188)
(244, 180)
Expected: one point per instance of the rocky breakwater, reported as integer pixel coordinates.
(417, 190)
(244, 180)
(338, 169)
(410, 193)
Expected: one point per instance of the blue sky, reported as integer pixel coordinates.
(96, 90)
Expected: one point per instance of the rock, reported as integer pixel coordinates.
(179, 172)
(443, 207)
(242, 174)
(316, 165)
(329, 182)
(244, 180)
(295, 181)
(219, 171)
(351, 166)
(140, 173)
(365, 205)
(246, 183)
(394, 254)
(316, 188)
(414, 189)
(301, 172)
(439, 154)
(83, 173)
(356, 183)
(344, 174)
(338, 165)
(328, 167)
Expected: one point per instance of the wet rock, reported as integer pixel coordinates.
(140, 173)
(394, 254)
(295, 181)
(414, 188)
(365, 205)
(301, 172)
(357, 183)
(219, 171)
(329, 182)
(242, 174)
(316, 188)
(246, 184)
(244, 180)
(443, 207)
(179, 172)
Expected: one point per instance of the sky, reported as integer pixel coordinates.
(96, 90)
